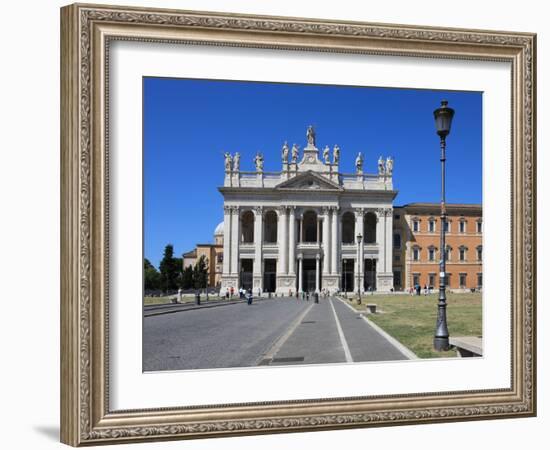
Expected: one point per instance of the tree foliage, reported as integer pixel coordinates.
(200, 273)
(187, 278)
(151, 276)
(170, 270)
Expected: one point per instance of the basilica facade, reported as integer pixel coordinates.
(308, 227)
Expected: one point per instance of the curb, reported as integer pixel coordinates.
(398, 345)
(176, 310)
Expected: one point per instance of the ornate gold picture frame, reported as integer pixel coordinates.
(87, 31)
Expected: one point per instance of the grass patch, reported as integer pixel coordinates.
(411, 319)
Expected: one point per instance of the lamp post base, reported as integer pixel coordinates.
(441, 344)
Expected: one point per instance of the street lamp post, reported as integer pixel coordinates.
(443, 118)
(359, 239)
(345, 278)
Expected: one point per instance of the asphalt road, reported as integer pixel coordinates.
(280, 331)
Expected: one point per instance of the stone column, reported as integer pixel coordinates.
(292, 240)
(359, 216)
(380, 231)
(301, 236)
(384, 268)
(334, 241)
(326, 241)
(317, 273)
(300, 273)
(318, 230)
(235, 240)
(258, 240)
(388, 241)
(226, 240)
(283, 240)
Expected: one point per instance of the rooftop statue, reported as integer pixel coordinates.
(359, 162)
(236, 162)
(259, 161)
(310, 134)
(295, 151)
(285, 153)
(326, 156)
(381, 166)
(389, 166)
(336, 155)
(228, 161)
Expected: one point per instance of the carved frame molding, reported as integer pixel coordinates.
(86, 33)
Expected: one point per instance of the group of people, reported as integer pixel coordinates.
(243, 294)
(417, 289)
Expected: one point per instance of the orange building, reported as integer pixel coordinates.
(213, 254)
(416, 246)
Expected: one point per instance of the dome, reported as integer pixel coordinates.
(219, 230)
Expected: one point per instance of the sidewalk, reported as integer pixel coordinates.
(333, 332)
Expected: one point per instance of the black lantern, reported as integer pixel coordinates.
(443, 118)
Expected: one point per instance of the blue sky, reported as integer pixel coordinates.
(189, 124)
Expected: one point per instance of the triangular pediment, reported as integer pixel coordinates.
(309, 181)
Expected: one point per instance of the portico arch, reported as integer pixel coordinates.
(270, 227)
(247, 227)
(310, 227)
(348, 228)
(369, 228)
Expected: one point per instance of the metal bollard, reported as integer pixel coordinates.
(316, 297)
(198, 298)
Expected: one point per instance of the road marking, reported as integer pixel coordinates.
(341, 334)
(398, 345)
(267, 357)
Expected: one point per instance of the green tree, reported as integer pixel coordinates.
(187, 278)
(151, 276)
(170, 270)
(200, 273)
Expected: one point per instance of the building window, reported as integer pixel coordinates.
(416, 254)
(431, 225)
(462, 280)
(416, 225)
(431, 253)
(462, 253)
(416, 279)
(479, 226)
(396, 240)
(462, 226)
(397, 217)
(220, 257)
(448, 253)
(480, 280)
(447, 226)
(431, 280)
(396, 258)
(479, 250)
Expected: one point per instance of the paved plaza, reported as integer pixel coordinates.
(279, 331)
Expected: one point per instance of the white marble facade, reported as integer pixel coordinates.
(298, 229)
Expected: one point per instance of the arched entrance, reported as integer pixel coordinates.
(310, 227)
(348, 228)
